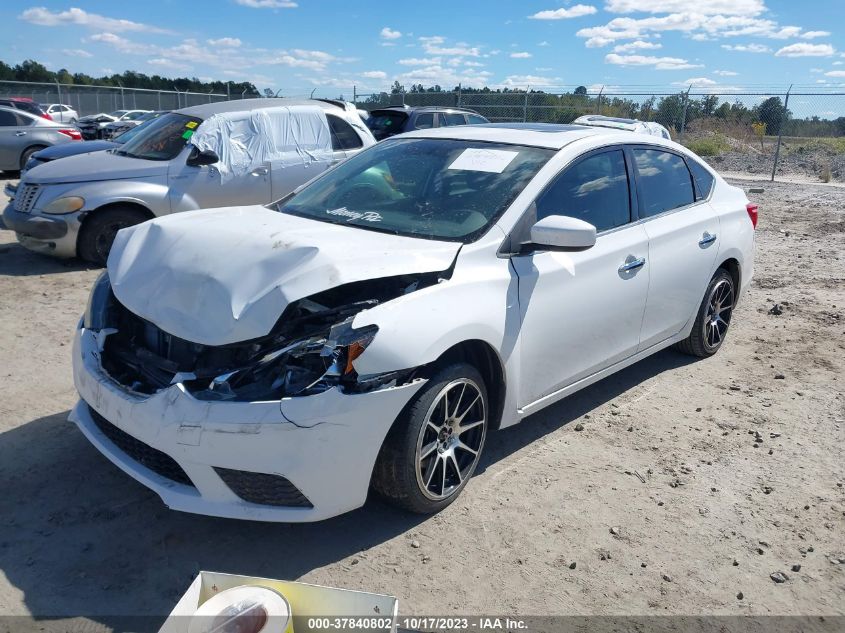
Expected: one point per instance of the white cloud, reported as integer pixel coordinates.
(521, 55)
(637, 45)
(750, 48)
(834, 63)
(659, 63)
(76, 52)
(544, 43)
(433, 45)
(725, 73)
(706, 7)
(524, 81)
(835, 73)
(122, 44)
(268, 4)
(564, 14)
(228, 42)
(163, 62)
(473, 64)
(389, 34)
(697, 81)
(73, 16)
(419, 61)
(809, 35)
(806, 50)
(444, 76)
(374, 74)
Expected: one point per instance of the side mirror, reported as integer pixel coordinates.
(199, 158)
(562, 233)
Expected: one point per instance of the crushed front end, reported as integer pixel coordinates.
(279, 428)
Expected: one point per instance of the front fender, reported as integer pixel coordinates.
(150, 195)
(479, 302)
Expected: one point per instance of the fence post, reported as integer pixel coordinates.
(525, 105)
(780, 132)
(684, 115)
(598, 101)
(228, 95)
(354, 95)
(122, 97)
(97, 94)
(459, 95)
(58, 91)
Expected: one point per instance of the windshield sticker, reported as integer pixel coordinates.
(493, 161)
(188, 134)
(367, 216)
(191, 125)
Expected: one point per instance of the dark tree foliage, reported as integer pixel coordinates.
(31, 70)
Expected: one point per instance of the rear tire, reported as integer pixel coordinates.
(713, 319)
(28, 154)
(98, 232)
(435, 444)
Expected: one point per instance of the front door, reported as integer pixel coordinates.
(582, 311)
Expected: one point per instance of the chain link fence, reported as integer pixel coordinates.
(95, 99)
(764, 132)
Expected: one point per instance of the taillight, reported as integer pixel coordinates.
(47, 116)
(76, 136)
(752, 213)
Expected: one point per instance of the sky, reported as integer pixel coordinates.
(296, 46)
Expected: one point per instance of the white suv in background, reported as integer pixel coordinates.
(60, 112)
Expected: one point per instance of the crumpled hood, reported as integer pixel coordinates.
(94, 167)
(226, 275)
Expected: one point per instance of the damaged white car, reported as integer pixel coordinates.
(368, 331)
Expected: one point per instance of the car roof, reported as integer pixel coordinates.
(238, 105)
(410, 109)
(549, 135)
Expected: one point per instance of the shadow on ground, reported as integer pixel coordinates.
(16, 261)
(78, 537)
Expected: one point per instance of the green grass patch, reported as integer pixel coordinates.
(708, 145)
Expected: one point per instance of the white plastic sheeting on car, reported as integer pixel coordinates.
(222, 276)
(282, 136)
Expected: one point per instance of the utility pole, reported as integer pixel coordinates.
(780, 132)
(598, 100)
(684, 114)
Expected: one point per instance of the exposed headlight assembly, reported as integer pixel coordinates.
(99, 304)
(60, 206)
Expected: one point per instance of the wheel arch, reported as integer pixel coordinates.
(733, 267)
(486, 360)
(125, 204)
(35, 146)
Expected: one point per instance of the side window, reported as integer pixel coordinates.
(665, 181)
(7, 119)
(475, 119)
(703, 179)
(343, 136)
(594, 190)
(452, 118)
(424, 121)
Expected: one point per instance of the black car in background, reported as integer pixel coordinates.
(386, 122)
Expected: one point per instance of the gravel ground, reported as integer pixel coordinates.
(691, 481)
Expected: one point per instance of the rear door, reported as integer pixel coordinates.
(683, 231)
(15, 136)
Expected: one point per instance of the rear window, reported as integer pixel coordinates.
(343, 136)
(703, 179)
(664, 180)
(452, 118)
(383, 123)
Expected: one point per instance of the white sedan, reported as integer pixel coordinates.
(276, 363)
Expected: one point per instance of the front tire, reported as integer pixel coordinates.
(434, 447)
(713, 318)
(28, 154)
(99, 231)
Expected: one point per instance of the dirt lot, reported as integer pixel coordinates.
(667, 501)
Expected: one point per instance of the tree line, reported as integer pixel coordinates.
(31, 70)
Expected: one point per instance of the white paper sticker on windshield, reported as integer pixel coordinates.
(489, 160)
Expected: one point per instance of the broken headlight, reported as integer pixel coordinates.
(302, 367)
(99, 304)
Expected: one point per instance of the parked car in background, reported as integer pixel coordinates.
(370, 330)
(25, 104)
(617, 123)
(60, 112)
(386, 122)
(249, 151)
(22, 134)
(92, 126)
(119, 127)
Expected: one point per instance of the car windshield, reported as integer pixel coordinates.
(134, 116)
(160, 139)
(440, 189)
(118, 113)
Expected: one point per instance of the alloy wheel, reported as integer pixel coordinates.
(720, 305)
(451, 439)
